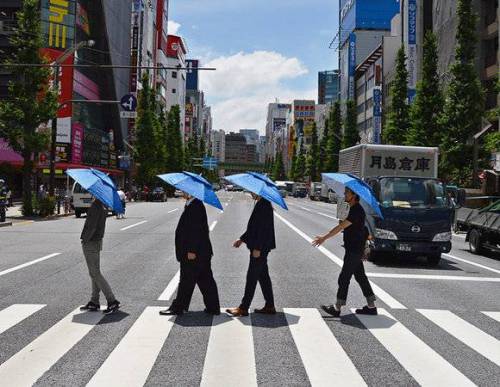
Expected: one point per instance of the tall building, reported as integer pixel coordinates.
(206, 127)
(328, 86)
(320, 115)
(176, 81)
(218, 144)
(275, 127)
(252, 135)
(303, 113)
(238, 151)
(261, 149)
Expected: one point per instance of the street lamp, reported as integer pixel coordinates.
(65, 55)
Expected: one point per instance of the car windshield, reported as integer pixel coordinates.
(412, 193)
(79, 189)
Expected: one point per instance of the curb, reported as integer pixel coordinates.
(5, 224)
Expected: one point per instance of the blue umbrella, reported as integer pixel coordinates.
(339, 181)
(260, 185)
(194, 185)
(99, 185)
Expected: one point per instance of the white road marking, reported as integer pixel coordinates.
(16, 313)
(305, 209)
(493, 315)
(22, 266)
(379, 292)
(433, 277)
(175, 209)
(171, 288)
(473, 337)
(472, 263)
(31, 362)
(230, 358)
(212, 226)
(426, 366)
(322, 355)
(133, 225)
(133, 358)
(461, 236)
(328, 216)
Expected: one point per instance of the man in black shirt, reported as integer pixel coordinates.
(355, 236)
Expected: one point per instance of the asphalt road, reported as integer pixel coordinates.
(437, 325)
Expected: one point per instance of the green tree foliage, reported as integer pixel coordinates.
(427, 108)
(464, 104)
(398, 117)
(279, 168)
(334, 141)
(322, 145)
(292, 174)
(312, 161)
(176, 154)
(161, 148)
(351, 134)
(30, 103)
(300, 169)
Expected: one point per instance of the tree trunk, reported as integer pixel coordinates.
(27, 186)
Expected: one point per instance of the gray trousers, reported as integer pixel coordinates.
(92, 253)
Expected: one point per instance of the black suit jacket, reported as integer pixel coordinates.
(192, 233)
(95, 224)
(260, 230)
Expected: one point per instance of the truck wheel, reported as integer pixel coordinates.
(78, 213)
(434, 259)
(475, 243)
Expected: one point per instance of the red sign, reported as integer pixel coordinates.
(86, 87)
(175, 47)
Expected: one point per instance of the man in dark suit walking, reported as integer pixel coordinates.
(92, 235)
(260, 240)
(194, 252)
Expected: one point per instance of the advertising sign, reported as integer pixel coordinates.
(58, 21)
(77, 143)
(82, 18)
(279, 124)
(352, 66)
(384, 162)
(412, 49)
(192, 74)
(377, 114)
(85, 86)
(63, 153)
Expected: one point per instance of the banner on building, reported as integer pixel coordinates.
(352, 66)
(377, 115)
(77, 143)
(58, 23)
(278, 124)
(412, 50)
(82, 18)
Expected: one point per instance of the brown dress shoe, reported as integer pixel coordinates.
(237, 312)
(266, 310)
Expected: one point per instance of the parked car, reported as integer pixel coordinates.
(229, 187)
(81, 200)
(158, 195)
(283, 192)
(178, 193)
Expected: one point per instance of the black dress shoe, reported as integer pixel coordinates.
(91, 307)
(171, 312)
(367, 310)
(331, 310)
(213, 312)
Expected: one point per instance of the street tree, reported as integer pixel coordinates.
(464, 103)
(351, 134)
(323, 143)
(293, 167)
(334, 142)
(427, 108)
(175, 147)
(300, 170)
(161, 147)
(312, 161)
(31, 104)
(279, 168)
(398, 118)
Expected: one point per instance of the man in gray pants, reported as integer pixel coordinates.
(92, 234)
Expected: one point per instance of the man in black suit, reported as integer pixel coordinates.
(260, 240)
(194, 252)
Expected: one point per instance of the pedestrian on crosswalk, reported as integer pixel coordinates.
(260, 240)
(194, 252)
(92, 235)
(355, 237)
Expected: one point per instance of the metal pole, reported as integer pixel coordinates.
(52, 176)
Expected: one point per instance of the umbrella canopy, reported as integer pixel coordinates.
(194, 185)
(99, 185)
(260, 185)
(339, 181)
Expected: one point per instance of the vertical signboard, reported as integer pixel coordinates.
(77, 143)
(377, 114)
(58, 21)
(352, 66)
(412, 49)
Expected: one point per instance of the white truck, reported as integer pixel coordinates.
(417, 216)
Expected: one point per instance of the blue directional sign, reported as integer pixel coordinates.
(209, 163)
(129, 102)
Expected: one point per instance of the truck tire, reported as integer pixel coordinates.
(78, 213)
(475, 242)
(434, 259)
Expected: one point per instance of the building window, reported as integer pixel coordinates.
(174, 91)
(174, 74)
(369, 123)
(369, 104)
(360, 90)
(361, 108)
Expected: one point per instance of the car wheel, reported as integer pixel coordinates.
(475, 243)
(434, 259)
(78, 213)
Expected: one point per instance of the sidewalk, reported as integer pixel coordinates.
(14, 213)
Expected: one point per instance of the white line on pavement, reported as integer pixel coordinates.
(493, 315)
(472, 263)
(175, 209)
(230, 347)
(133, 358)
(328, 216)
(133, 225)
(379, 292)
(323, 357)
(305, 209)
(22, 266)
(434, 277)
(212, 226)
(171, 287)
(16, 313)
(421, 361)
(473, 337)
(31, 362)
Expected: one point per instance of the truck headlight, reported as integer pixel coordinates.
(385, 234)
(442, 237)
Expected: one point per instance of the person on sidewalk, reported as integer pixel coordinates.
(355, 236)
(194, 252)
(92, 234)
(260, 240)
(123, 199)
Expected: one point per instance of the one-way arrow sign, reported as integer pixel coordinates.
(129, 102)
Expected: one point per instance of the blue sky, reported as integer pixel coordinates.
(262, 50)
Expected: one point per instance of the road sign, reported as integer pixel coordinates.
(126, 114)
(209, 163)
(129, 102)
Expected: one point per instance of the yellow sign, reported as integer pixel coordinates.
(61, 16)
(46, 171)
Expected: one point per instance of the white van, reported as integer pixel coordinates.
(81, 199)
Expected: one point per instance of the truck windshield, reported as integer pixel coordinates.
(411, 193)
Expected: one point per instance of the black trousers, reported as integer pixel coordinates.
(258, 271)
(353, 265)
(196, 272)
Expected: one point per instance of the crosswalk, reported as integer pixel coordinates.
(231, 358)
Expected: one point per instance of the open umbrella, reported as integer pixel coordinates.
(339, 181)
(260, 185)
(99, 185)
(194, 185)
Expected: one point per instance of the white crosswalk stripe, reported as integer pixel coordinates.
(230, 356)
(467, 333)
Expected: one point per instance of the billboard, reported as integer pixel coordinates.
(192, 74)
(279, 124)
(352, 66)
(412, 49)
(77, 143)
(58, 23)
(377, 114)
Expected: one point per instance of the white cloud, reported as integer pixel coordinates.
(244, 83)
(173, 27)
